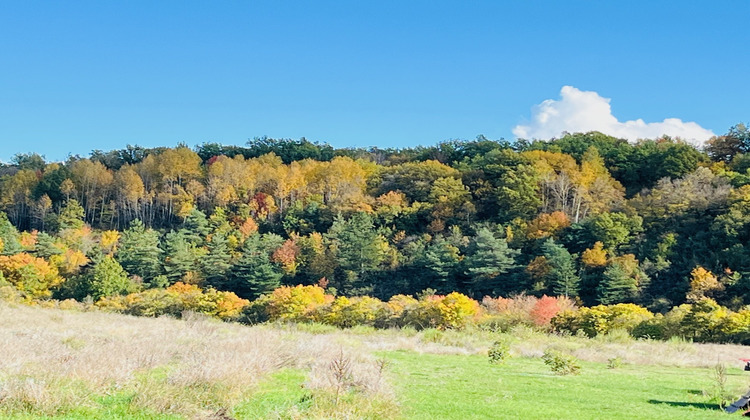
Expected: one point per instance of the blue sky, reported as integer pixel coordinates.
(77, 76)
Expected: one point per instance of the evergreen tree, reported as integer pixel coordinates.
(71, 215)
(45, 246)
(180, 255)
(622, 281)
(139, 252)
(562, 276)
(195, 228)
(487, 260)
(357, 249)
(441, 259)
(217, 261)
(253, 274)
(9, 244)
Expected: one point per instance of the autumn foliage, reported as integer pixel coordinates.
(32, 276)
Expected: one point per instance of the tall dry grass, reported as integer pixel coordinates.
(55, 360)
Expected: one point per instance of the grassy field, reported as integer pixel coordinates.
(467, 387)
(63, 364)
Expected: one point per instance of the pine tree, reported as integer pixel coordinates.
(139, 252)
(71, 215)
(45, 246)
(180, 255)
(9, 244)
(562, 276)
(215, 264)
(357, 249)
(253, 274)
(195, 228)
(488, 258)
(441, 260)
(619, 284)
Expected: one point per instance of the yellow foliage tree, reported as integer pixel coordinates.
(547, 224)
(32, 276)
(702, 284)
(108, 241)
(595, 256)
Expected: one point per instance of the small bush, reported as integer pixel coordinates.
(614, 363)
(394, 313)
(617, 335)
(499, 352)
(546, 308)
(431, 335)
(561, 364)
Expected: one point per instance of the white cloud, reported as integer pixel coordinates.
(580, 111)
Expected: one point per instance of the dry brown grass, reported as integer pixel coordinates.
(53, 360)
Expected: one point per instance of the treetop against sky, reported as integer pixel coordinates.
(92, 75)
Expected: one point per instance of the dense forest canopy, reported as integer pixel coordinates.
(587, 216)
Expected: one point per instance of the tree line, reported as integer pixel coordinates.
(586, 216)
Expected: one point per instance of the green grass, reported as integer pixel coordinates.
(468, 387)
(114, 407)
(279, 396)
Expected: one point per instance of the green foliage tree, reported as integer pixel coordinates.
(357, 249)
(71, 215)
(215, 264)
(195, 228)
(253, 274)
(181, 256)
(562, 275)
(622, 281)
(8, 237)
(441, 260)
(487, 260)
(614, 230)
(139, 253)
(108, 278)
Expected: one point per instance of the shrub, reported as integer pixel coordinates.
(70, 305)
(662, 327)
(458, 309)
(394, 312)
(294, 304)
(504, 313)
(499, 352)
(701, 322)
(614, 363)
(222, 305)
(546, 307)
(347, 313)
(735, 328)
(560, 363)
(431, 335)
(452, 311)
(151, 303)
(174, 300)
(601, 319)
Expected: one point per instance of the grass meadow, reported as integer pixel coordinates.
(91, 365)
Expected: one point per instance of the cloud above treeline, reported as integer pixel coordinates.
(582, 111)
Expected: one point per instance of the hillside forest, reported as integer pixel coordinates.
(586, 216)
